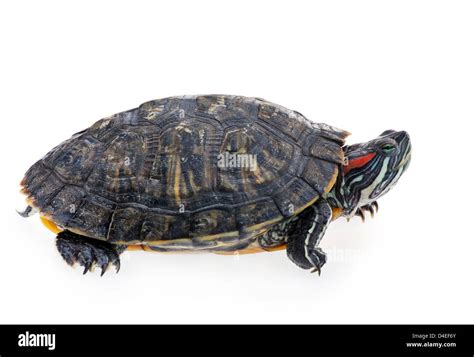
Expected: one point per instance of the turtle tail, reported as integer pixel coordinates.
(27, 212)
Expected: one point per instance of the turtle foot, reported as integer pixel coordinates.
(87, 252)
(318, 258)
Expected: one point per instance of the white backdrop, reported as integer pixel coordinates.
(364, 66)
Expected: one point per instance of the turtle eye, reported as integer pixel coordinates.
(388, 148)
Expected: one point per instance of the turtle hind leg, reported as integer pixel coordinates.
(305, 235)
(88, 252)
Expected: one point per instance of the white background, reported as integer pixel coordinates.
(364, 66)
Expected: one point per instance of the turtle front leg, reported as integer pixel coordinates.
(305, 235)
(88, 252)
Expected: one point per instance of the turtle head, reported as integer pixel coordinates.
(372, 169)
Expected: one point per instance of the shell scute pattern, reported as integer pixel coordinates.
(150, 175)
(64, 205)
(93, 215)
(157, 111)
(291, 123)
(115, 175)
(224, 109)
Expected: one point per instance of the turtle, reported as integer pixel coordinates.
(207, 173)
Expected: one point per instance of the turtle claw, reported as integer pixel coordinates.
(316, 269)
(360, 213)
(87, 268)
(87, 252)
(318, 259)
(376, 205)
(372, 208)
(117, 265)
(106, 266)
(103, 269)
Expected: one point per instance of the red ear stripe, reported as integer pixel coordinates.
(358, 162)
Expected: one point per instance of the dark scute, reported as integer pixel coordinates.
(224, 108)
(64, 205)
(115, 176)
(326, 149)
(161, 226)
(46, 191)
(255, 213)
(92, 217)
(126, 224)
(273, 156)
(75, 161)
(291, 123)
(35, 176)
(213, 221)
(331, 132)
(155, 111)
(319, 173)
(296, 194)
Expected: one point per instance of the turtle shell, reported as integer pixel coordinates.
(170, 174)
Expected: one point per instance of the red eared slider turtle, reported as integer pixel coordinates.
(207, 173)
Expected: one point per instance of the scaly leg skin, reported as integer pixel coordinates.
(307, 232)
(278, 234)
(88, 252)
